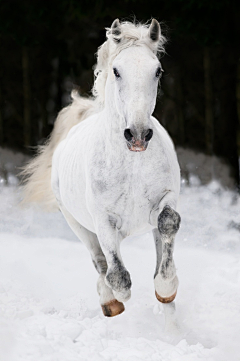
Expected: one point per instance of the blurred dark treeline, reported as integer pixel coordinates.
(48, 47)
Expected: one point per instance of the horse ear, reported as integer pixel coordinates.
(154, 30)
(116, 31)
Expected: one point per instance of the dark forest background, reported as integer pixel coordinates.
(48, 47)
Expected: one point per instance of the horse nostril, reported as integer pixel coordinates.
(128, 135)
(149, 135)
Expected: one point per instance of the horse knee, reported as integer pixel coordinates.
(168, 221)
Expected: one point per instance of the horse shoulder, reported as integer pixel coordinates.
(168, 154)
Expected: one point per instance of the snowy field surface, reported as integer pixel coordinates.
(49, 308)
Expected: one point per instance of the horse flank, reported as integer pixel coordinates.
(37, 173)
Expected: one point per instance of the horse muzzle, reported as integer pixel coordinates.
(138, 145)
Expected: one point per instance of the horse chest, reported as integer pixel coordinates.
(127, 189)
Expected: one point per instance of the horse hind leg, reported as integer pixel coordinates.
(110, 306)
(165, 278)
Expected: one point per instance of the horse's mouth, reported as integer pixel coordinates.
(137, 146)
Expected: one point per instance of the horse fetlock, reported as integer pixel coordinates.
(166, 288)
(118, 280)
(168, 221)
(120, 284)
(123, 296)
(105, 292)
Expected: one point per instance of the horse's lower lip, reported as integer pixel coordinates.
(137, 148)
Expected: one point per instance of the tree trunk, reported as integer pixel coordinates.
(44, 130)
(238, 113)
(180, 112)
(1, 113)
(208, 101)
(1, 100)
(26, 98)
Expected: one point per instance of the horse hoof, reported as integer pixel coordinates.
(165, 299)
(113, 308)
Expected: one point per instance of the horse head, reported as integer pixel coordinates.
(133, 71)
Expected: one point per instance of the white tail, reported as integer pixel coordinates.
(37, 173)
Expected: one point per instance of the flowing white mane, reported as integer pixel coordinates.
(131, 34)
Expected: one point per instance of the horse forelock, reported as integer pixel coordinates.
(131, 34)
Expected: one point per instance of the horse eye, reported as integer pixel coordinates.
(159, 72)
(116, 73)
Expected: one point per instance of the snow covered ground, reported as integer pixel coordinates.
(49, 307)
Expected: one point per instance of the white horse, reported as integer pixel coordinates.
(116, 173)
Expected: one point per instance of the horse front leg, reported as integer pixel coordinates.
(165, 278)
(117, 276)
(110, 306)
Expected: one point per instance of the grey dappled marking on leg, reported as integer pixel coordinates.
(165, 279)
(158, 245)
(168, 222)
(118, 277)
(100, 263)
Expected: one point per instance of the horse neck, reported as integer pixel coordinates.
(113, 121)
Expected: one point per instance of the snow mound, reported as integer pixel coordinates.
(49, 303)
